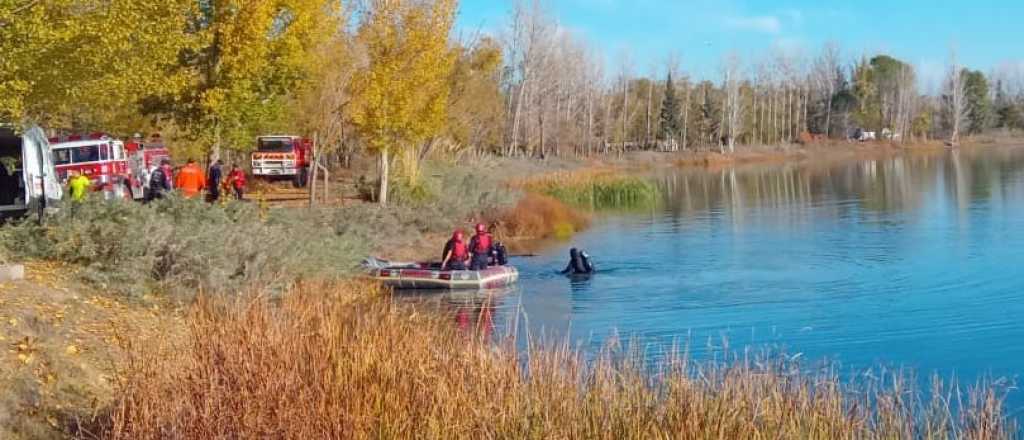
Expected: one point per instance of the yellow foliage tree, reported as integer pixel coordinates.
(87, 63)
(401, 97)
(476, 111)
(252, 55)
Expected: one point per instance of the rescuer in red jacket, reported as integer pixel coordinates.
(480, 246)
(237, 180)
(455, 253)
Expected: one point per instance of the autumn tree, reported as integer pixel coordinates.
(476, 111)
(251, 55)
(402, 94)
(87, 64)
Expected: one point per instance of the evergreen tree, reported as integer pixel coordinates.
(1007, 113)
(979, 104)
(669, 121)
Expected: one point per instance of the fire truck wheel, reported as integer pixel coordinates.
(301, 178)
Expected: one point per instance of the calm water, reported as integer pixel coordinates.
(911, 261)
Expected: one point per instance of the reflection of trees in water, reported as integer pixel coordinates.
(866, 189)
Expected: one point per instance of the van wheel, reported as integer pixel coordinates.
(302, 178)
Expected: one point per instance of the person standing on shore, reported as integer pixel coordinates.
(78, 186)
(237, 180)
(190, 179)
(213, 178)
(160, 181)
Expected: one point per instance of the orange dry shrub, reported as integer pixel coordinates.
(540, 216)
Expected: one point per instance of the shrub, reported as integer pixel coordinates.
(180, 245)
(540, 216)
(184, 245)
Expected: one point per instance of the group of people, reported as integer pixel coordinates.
(191, 180)
(482, 252)
(479, 253)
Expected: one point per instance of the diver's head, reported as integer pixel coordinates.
(574, 252)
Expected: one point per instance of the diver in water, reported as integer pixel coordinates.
(579, 263)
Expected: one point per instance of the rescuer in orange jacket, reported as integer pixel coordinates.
(190, 179)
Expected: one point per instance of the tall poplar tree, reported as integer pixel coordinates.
(401, 97)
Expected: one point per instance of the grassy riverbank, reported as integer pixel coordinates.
(333, 361)
(101, 351)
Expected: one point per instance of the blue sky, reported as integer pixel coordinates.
(985, 32)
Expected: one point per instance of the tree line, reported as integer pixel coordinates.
(391, 77)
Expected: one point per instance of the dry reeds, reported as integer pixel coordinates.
(327, 362)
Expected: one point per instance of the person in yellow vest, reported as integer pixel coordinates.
(78, 186)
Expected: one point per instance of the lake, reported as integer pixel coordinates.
(906, 261)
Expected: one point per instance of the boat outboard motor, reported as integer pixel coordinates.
(499, 254)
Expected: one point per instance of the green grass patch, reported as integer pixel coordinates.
(602, 192)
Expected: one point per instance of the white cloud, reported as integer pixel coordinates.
(768, 24)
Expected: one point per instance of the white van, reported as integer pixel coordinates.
(28, 180)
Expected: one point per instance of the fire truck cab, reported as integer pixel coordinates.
(100, 158)
(279, 157)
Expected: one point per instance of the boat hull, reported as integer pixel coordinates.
(426, 278)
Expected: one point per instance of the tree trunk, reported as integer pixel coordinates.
(384, 168)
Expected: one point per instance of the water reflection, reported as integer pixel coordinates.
(472, 311)
(895, 185)
(910, 260)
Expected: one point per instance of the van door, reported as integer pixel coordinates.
(40, 175)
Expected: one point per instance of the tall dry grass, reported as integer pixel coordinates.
(333, 361)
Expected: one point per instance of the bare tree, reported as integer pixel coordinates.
(826, 71)
(955, 99)
(733, 110)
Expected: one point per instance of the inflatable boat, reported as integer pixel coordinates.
(430, 276)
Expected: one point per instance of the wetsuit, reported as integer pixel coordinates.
(579, 263)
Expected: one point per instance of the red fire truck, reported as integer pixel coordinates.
(279, 157)
(144, 157)
(98, 157)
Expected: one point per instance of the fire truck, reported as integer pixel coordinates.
(144, 157)
(97, 156)
(278, 157)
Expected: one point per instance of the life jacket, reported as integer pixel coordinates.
(237, 179)
(483, 244)
(459, 250)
